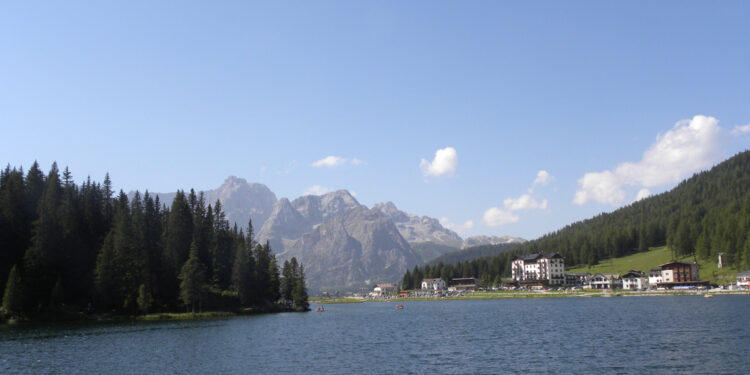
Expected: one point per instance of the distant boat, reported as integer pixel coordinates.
(707, 295)
(320, 309)
(399, 307)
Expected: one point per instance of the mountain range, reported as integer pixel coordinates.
(343, 244)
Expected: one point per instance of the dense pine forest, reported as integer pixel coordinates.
(703, 216)
(67, 250)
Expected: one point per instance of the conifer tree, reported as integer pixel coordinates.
(242, 272)
(14, 293)
(144, 299)
(299, 294)
(178, 236)
(406, 282)
(287, 280)
(192, 280)
(273, 280)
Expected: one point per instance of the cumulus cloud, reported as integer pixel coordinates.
(741, 129)
(458, 228)
(336, 161)
(602, 187)
(443, 164)
(642, 194)
(688, 147)
(495, 217)
(542, 178)
(524, 202)
(317, 190)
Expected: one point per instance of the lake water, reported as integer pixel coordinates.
(620, 335)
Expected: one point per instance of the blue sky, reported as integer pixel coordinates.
(178, 95)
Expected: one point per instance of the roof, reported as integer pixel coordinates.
(676, 263)
(633, 274)
(607, 276)
(745, 273)
(536, 256)
(430, 280)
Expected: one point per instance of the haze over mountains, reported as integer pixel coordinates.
(342, 243)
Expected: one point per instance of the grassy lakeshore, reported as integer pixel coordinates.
(488, 295)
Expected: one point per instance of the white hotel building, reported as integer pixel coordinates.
(542, 268)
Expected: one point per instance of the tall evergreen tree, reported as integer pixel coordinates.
(178, 236)
(13, 295)
(299, 293)
(243, 272)
(192, 280)
(287, 280)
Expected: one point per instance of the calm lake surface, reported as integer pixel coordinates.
(620, 335)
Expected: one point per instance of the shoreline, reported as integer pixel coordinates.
(528, 294)
(154, 317)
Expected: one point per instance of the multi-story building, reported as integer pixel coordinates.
(542, 268)
(634, 280)
(433, 284)
(680, 275)
(654, 277)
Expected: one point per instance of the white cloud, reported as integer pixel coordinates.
(601, 187)
(495, 217)
(458, 228)
(337, 161)
(741, 129)
(542, 178)
(356, 161)
(444, 163)
(688, 147)
(317, 190)
(642, 194)
(524, 202)
(330, 162)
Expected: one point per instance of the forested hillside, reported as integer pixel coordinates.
(66, 248)
(704, 215)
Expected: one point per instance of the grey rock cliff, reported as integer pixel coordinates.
(356, 249)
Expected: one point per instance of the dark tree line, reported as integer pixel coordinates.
(65, 247)
(703, 216)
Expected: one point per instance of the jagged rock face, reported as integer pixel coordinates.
(360, 245)
(242, 201)
(318, 209)
(283, 223)
(490, 240)
(290, 220)
(417, 229)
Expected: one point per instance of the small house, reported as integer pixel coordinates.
(465, 283)
(605, 281)
(382, 289)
